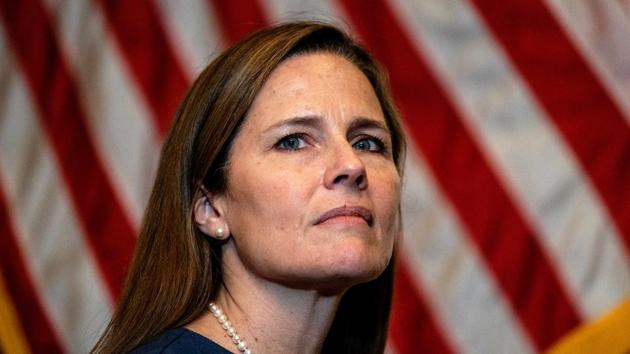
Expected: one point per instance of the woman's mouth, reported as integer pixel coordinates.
(356, 212)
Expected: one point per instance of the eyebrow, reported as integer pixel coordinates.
(300, 121)
(314, 121)
(368, 123)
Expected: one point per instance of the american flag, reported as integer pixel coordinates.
(516, 199)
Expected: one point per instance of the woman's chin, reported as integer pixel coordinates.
(340, 274)
(345, 278)
(360, 261)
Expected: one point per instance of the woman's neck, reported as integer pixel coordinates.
(270, 317)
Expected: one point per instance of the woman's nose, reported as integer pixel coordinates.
(346, 169)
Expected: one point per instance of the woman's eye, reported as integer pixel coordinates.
(369, 144)
(291, 142)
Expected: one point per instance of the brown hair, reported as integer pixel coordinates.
(176, 269)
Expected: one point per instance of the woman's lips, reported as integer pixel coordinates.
(346, 211)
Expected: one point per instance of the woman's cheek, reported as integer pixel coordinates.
(390, 202)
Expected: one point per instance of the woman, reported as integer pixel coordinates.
(275, 210)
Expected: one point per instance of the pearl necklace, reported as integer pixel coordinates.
(227, 326)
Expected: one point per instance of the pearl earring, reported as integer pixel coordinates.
(220, 232)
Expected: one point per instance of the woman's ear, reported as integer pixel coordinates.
(210, 220)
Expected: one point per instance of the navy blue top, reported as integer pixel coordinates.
(180, 340)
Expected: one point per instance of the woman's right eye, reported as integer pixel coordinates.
(291, 142)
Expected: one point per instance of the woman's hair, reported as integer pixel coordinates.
(176, 270)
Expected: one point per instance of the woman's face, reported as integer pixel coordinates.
(313, 191)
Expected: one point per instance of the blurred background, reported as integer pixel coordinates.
(517, 186)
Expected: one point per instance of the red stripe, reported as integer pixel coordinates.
(507, 243)
(35, 325)
(109, 232)
(412, 328)
(139, 32)
(573, 97)
(239, 18)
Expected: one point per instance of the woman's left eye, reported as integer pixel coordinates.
(369, 144)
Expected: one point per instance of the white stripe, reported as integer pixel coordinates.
(193, 31)
(389, 348)
(537, 168)
(54, 248)
(117, 117)
(601, 31)
(286, 10)
(459, 288)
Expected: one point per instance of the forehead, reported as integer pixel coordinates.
(321, 84)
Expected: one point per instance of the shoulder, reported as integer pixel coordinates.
(180, 340)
